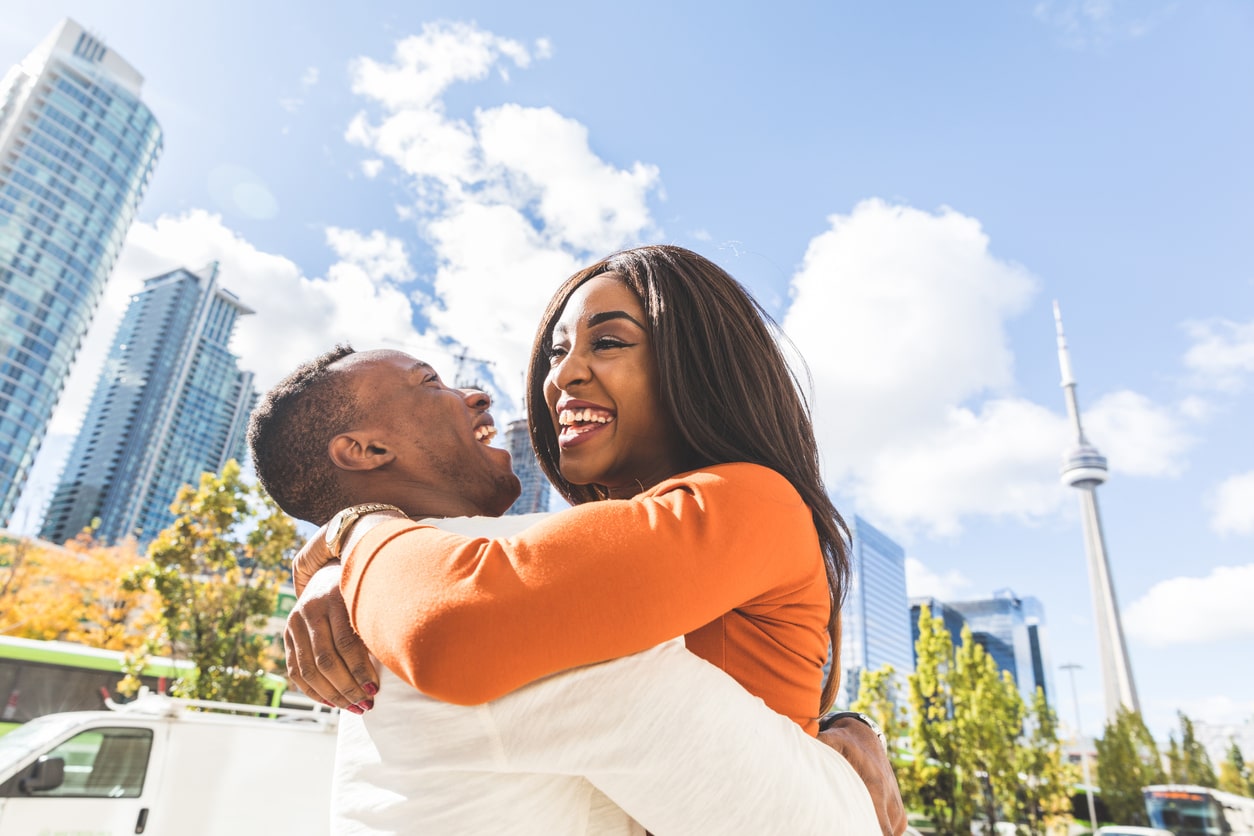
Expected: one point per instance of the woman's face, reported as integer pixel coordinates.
(602, 393)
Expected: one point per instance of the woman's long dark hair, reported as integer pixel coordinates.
(725, 383)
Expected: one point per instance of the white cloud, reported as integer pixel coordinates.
(1222, 354)
(309, 77)
(296, 316)
(1137, 436)
(1232, 507)
(922, 581)
(425, 65)
(1085, 24)
(1184, 610)
(901, 315)
(511, 199)
(371, 168)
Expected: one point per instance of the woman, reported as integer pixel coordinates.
(663, 408)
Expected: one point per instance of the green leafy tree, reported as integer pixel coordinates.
(988, 719)
(878, 699)
(1127, 760)
(1187, 760)
(931, 783)
(1045, 794)
(216, 572)
(1234, 775)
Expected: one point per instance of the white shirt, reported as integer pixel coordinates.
(660, 740)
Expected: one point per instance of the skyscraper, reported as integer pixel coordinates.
(77, 148)
(1012, 630)
(170, 404)
(876, 617)
(1084, 468)
(535, 486)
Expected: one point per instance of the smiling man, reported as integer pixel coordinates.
(660, 739)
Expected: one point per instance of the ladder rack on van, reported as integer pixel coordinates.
(160, 705)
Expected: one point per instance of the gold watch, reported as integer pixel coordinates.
(342, 523)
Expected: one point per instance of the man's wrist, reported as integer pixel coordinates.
(340, 526)
(828, 720)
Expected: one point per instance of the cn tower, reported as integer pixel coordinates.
(1084, 468)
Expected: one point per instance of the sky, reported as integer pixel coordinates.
(907, 187)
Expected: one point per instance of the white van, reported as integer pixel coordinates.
(161, 766)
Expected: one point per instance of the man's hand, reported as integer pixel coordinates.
(862, 748)
(325, 658)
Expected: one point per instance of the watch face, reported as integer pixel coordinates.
(334, 527)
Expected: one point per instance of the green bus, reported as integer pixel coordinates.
(48, 677)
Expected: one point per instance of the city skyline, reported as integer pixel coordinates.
(904, 190)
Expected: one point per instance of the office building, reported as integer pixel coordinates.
(951, 618)
(77, 148)
(535, 486)
(1083, 468)
(1012, 630)
(876, 616)
(170, 404)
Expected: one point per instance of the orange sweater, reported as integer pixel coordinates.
(727, 556)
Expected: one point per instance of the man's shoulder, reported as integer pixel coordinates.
(506, 526)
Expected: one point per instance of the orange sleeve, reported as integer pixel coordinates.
(468, 619)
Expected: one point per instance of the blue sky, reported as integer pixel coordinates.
(906, 186)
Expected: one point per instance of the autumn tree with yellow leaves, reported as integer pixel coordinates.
(73, 593)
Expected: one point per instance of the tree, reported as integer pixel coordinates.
(964, 721)
(988, 719)
(931, 784)
(877, 698)
(73, 593)
(1127, 760)
(1045, 794)
(1187, 761)
(1234, 776)
(216, 572)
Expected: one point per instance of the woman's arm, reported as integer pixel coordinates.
(468, 619)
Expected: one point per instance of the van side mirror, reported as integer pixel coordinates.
(44, 774)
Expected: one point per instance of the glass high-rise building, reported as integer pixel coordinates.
(77, 148)
(1012, 630)
(875, 620)
(535, 486)
(170, 404)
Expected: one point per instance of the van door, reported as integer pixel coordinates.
(103, 779)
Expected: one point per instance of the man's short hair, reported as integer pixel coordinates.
(289, 432)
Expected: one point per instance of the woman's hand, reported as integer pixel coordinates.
(325, 658)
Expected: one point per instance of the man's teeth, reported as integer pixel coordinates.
(485, 434)
(568, 417)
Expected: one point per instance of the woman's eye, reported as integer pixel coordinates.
(555, 353)
(608, 342)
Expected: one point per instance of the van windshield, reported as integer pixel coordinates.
(34, 737)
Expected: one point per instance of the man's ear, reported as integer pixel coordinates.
(355, 451)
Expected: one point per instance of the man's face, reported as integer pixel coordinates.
(440, 436)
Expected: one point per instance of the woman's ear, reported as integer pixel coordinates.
(355, 451)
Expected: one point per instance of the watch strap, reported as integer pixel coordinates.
(827, 720)
(342, 523)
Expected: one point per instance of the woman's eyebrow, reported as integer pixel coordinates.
(606, 316)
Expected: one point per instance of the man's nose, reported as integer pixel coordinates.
(477, 399)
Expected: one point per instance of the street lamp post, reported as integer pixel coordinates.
(1071, 668)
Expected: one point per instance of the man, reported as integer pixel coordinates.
(673, 742)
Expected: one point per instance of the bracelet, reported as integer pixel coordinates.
(828, 720)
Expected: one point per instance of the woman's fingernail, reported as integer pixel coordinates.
(370, 688)
(354, 709)
(366, 705)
